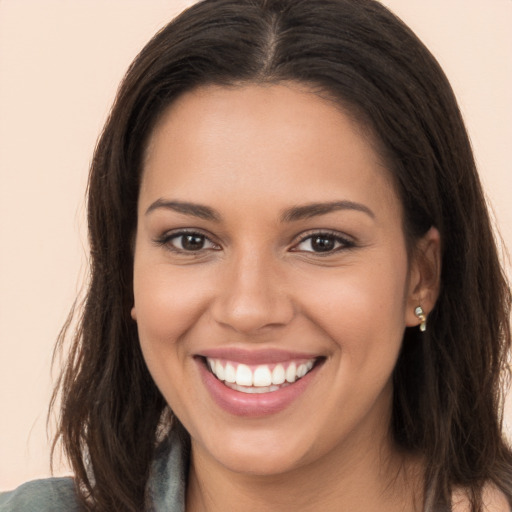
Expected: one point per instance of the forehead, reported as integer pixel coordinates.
(251, 107)
(280, 141)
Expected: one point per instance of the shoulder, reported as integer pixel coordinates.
(493, 499)
(52, 494)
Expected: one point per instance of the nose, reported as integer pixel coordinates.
(253, 295)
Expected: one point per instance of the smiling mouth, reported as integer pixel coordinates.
(262, 378)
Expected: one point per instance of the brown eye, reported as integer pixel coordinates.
(192, 242)
(188, 242)
(323, 243)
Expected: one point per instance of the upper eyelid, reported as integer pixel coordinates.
(172, 233)
(297, 239)
(318, 232)
(167, 236)
(345, 243)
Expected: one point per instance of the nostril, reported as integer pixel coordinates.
(247, 314)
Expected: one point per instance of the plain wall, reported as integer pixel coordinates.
(60, 64)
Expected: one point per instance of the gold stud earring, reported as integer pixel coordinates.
(422, 317)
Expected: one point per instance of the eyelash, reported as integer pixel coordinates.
(341, 242)
(166, 241)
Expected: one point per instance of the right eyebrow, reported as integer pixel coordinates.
(313, 209)
(193, 209)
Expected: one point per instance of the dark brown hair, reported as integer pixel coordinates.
(448, 382)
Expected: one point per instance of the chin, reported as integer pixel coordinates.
(264, 463)
(265, 454)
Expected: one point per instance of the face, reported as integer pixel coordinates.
(271, 279)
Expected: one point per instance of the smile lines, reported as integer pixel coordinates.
(263, 378)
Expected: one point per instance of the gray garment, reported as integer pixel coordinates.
(166, 487)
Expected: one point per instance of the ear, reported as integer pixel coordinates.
(133, 313)
(424, 276)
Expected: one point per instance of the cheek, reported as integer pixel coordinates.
(167, 307)
(362, 309)
(167, 304)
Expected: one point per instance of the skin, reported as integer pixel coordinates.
(250, 153)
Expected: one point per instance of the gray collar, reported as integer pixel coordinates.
(167, 481)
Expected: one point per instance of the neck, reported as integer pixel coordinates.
(346, 479)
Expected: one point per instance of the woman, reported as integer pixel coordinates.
(296, 301)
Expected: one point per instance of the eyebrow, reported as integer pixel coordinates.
(289, 215)
(196, 210)
(313, 209)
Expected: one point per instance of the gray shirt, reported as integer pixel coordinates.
(166, 487)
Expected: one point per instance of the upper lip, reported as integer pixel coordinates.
(256, 356)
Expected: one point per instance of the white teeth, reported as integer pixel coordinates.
(230, 373)
(278, 375)
(253, 390)
(243, 375)
(301, 371)
(219, 370)
(262, 379)
(291, 373)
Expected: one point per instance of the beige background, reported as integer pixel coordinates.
(60, 63)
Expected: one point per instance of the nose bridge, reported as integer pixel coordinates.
(253, 292)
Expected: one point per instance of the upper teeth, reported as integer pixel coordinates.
(262, 375)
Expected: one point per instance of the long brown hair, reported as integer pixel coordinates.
(448, 382)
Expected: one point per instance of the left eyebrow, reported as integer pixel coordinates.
(313, 209)
(186, 208)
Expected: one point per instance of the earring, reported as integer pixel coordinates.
(422, 317)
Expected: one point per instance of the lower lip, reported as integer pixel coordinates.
(255, 404)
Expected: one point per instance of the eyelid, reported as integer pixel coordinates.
(166, 238)
(346, 241)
